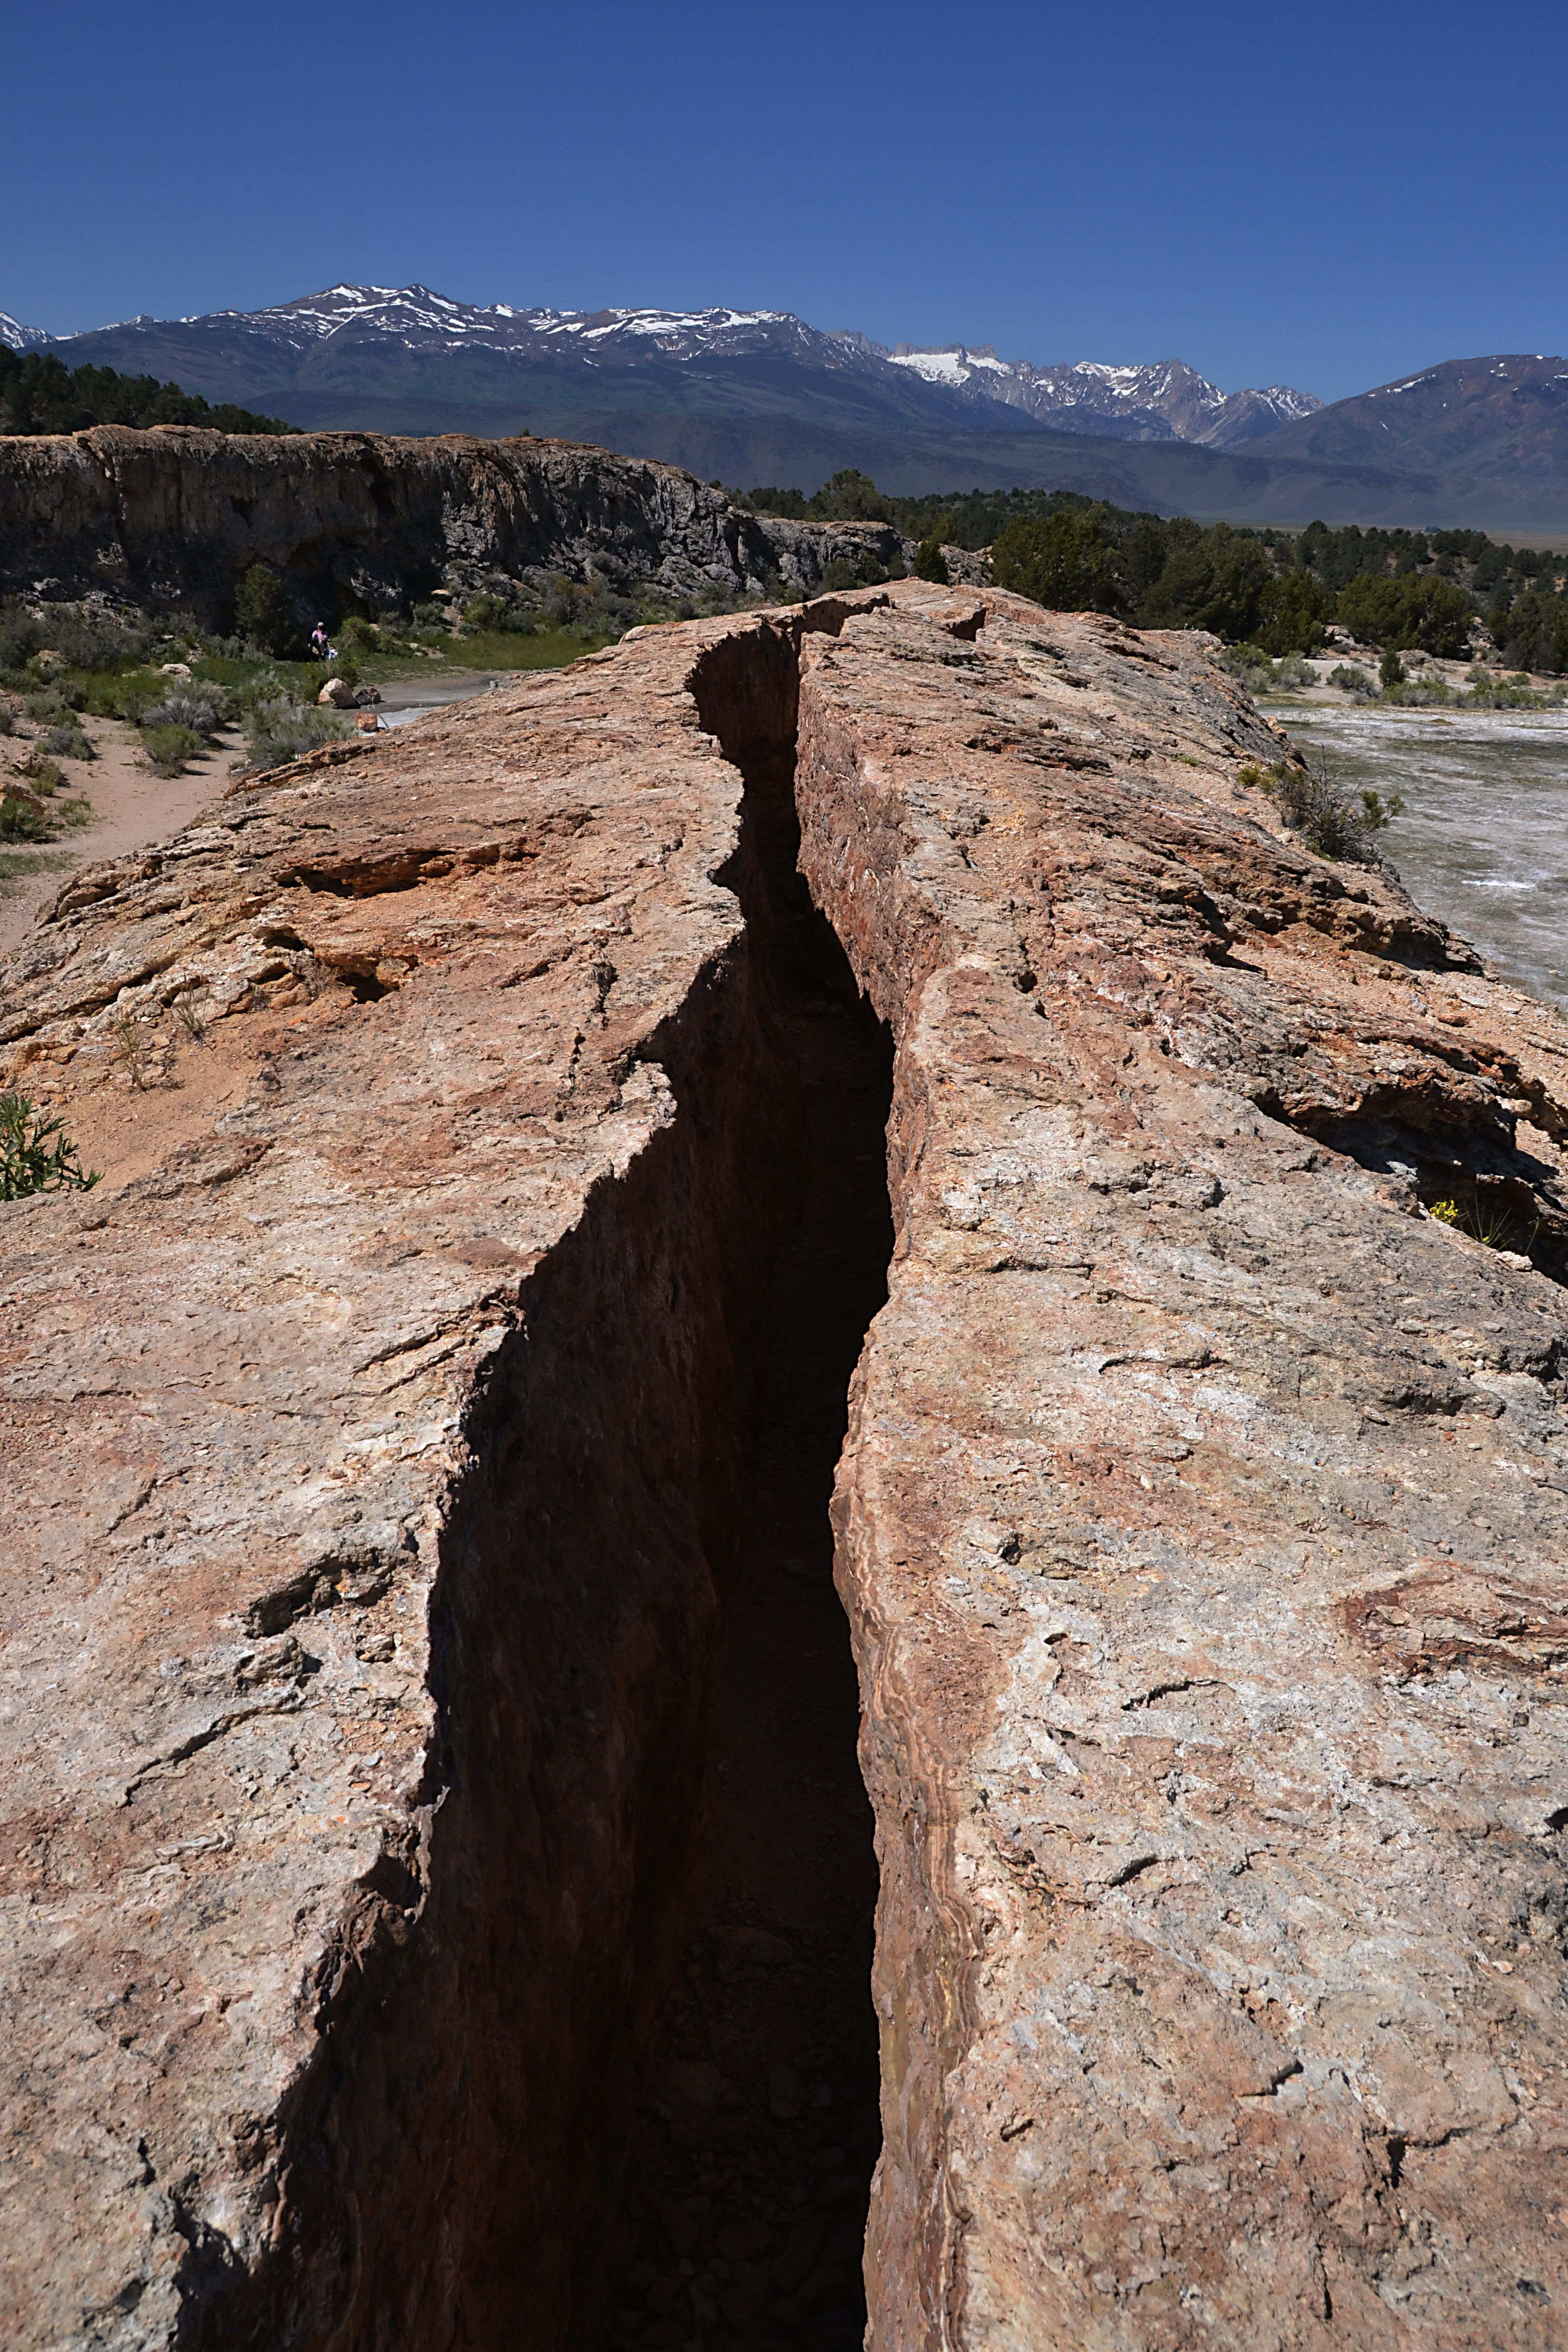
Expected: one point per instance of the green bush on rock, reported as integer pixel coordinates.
(36, 1155)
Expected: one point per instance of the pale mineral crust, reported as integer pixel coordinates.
(1201, 1526)
(373, 1438)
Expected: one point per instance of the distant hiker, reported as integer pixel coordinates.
(318, 644)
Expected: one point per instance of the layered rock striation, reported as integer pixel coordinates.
(177, 515)
(375, 1434)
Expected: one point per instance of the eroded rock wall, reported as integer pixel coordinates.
(1201, 1526)
(177, 515)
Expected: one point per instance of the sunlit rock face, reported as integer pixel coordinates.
(375, 1430)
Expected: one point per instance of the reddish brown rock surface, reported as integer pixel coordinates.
(1202, 1523)
(374, 1435)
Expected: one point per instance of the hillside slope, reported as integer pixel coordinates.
(1496, 428)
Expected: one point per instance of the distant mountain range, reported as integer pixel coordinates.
(1168, 402)
(757, 396)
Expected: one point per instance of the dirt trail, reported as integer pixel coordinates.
(131, 807)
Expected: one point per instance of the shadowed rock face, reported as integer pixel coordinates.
(178, 516)
(376, 1436)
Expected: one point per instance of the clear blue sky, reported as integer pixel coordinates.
(1329, 196)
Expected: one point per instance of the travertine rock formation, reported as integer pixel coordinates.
(374, 1435)
(1203, 1527)
(177, 515)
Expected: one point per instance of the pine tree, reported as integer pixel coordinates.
(930, 561)
(261, 610)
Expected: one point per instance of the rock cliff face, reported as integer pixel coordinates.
(177, 515)
(374, 1435)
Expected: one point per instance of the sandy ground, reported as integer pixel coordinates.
(131, 807)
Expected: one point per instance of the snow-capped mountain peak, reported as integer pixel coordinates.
(17, 337)
(1167, 401)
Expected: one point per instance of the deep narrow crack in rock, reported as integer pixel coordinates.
(745, 2211)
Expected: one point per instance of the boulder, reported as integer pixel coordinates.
(336, 695)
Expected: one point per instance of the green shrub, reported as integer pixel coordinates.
(1062, 561)
(20, 820)
(125, 697)
(198, 706)
(850, 496)
(68, 743)
(261, 610)
(35, 1154)
(430, 616)
(930, 561)
(488, 612)
(169, 747)
(1327, 822)
(839, 574)
(1390, 670)
(1420, 612)
(1349, 679)
(1293, 610)
(281, 728)
(96, 641)
(21, 636)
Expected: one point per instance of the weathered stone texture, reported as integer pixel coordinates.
(1202, 1524)
(178, 515)
(372, 1440)
(371, 1437)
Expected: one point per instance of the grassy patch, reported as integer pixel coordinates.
(18, 865)
(169, 747)
(504, 649)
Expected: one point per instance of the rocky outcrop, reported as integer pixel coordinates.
(1202, 1523)
(175, 515)
(375, 1429)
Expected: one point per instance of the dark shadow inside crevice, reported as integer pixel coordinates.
(744, 2214)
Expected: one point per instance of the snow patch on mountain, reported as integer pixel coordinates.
(1167, 400)
(17, 337)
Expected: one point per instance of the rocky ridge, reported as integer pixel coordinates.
(1200, 1525)
(177, 515)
